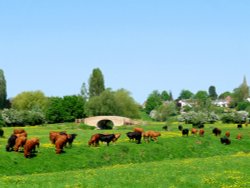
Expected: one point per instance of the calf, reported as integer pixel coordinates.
(11, 142)
(134, 136)
(1, 132)
(225, 140)
(185, 132)
(239, 136)
(152, 135)
(165, 127)
(194, 131)
(239, 126)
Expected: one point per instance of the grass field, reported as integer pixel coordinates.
(173, 161)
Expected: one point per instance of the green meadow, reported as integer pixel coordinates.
(173, 161)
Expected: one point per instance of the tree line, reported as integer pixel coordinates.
(33, 107)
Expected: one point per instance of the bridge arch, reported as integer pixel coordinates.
(103, 122)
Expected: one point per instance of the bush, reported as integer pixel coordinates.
(235, 117)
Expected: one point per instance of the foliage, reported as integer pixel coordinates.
(2, 123)
(65, 109)
(241, 93)
(225, 94)
(212, 92)
(235, 117)
(13, 117)
(153, 101)
(198, 118)
(112, 103)
(165, 111)
(96, 83)
(185, 94)
(30, 100)
(3, 93)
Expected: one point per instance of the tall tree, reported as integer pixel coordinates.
(212, 92)
(165, 96)
(96, 83)
(153, 101)
(84, 91)
(3, 93)
(242, 92)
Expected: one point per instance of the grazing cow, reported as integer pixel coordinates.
(116, 137)
(134, 136)
(165, 127)
(201, 132)
(22, 134)
(194, 131)
(60, 142)
(185, 132)
(1, 132)
(94, 140)
(71, 138)
(152, 135)
(180, 127)
(137, 129)
(225, 140)
(239, 136)
(106, 138)
(30, 147)
(216, 131)
(227, 134)
(11, 142)
(20, 142)
(54, 134)
(239, 126)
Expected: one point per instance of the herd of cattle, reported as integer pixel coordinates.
(18, 138)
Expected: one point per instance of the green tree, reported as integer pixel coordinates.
(212, 92)
(225, 94)
(126, 105)
(153, 101)
(96, 83)
(166, 110)
(241, 93)
(186, 94)
(3, 93)
(30, 100)
(203, 101)
(55, 112)
(165, 96)
(84, 91)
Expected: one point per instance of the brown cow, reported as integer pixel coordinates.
(30, 147)
(60, 143)
(227, 134)
(21, 134)
(20, 142)
(201, 132)
(151, 134)
(194, 131)
(239, 136)
(94, 140)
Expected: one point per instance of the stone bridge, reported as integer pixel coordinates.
(106, 122)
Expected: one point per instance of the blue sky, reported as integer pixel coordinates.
(139, 45)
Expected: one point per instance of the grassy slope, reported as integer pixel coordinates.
(173, 161)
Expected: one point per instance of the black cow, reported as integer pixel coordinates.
(11, 142)
(216, 131)
(180, 127)
(225, 140)
(1, 132)
(134, 136)
(185, 132)
(71, 138)
(106, 138)
(239, 126)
